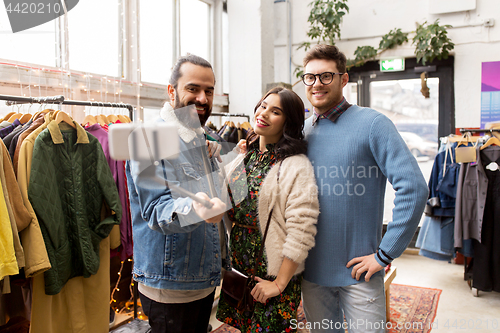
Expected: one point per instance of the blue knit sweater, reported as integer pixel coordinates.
(353, 158)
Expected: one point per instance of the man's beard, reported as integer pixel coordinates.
(186, 115)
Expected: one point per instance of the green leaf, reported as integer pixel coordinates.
(392, 39)
(364, 53)
(305, 45)
(325, 18)
(298, 71)
(431, 41)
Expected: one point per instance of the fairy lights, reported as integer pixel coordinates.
(127, 307)
(116, 285)
(61, 79)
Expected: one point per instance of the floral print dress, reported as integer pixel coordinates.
(276, 314)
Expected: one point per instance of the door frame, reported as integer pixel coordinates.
(442, 69)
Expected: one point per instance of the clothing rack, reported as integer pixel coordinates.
(467, 266)
(12, 100)
(60, 100)
(231, 115)
(478, 130)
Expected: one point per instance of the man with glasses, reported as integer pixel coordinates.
(354, 151)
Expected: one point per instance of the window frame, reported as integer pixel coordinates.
(19, 78)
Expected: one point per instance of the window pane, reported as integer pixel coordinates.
(195, 28)
(93, 37)
(350, 92)
(225, 53)
(156, 40)
(151, 114)
(36, 45)
(416, 119)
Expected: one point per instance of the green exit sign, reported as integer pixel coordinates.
(392, 65)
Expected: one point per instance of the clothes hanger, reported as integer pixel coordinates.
(123, 119)
(491, 141)
(101, 119)
(466, 139)
(112, 118)
(7, 116)
(460, 138)
(64, 117)
(43, 112)
(89, 119)
(454, 138)
(14, 117)
(25, 118)
(38, 112)
(493, 125)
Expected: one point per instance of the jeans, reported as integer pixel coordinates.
(363, 305)
(192, 317)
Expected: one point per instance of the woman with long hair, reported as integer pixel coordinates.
(277, 176)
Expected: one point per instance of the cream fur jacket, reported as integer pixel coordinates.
(296, 208)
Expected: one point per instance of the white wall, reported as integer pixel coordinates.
(251, 52)
(368, 20)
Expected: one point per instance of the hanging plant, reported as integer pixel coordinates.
(389, 41)
(364, 53)
(325, 18)
(392, 39)
(432, 42)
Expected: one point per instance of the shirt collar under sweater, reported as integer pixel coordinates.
(334, 113)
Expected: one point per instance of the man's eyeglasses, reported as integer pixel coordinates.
(325, 78)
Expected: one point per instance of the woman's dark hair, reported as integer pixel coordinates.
(292, 142)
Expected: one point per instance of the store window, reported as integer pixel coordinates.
(225, 51)
(156, 40)
(93, 30)
(36, 45)
(416, 119)
(151, 114)
(195, 28)
(350, 92)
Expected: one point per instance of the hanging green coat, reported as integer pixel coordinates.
(70, 178)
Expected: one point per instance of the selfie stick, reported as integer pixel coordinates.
(179, 190)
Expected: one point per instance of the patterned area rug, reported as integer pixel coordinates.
(412, 310)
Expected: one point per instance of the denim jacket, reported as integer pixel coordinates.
(173, 248)
(446, 206)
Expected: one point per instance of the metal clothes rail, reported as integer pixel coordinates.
(231, 115)
(478, 130)
(60, 100)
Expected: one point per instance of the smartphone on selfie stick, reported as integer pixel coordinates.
(148, 143)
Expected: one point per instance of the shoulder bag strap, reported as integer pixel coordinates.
(265, 232)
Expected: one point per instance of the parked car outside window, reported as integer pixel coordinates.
(418, 145)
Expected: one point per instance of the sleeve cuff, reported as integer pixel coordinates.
(183, 209)
(382, 258)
